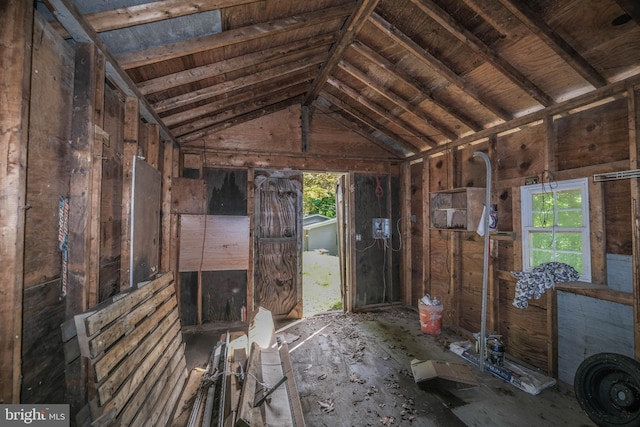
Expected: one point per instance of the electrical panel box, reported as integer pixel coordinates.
(380, 227)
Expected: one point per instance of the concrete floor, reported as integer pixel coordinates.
(355, 370)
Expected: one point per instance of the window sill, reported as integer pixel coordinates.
(596, 291)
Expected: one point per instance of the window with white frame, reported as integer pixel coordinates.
(555, 225)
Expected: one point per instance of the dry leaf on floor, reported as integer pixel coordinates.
(387, 421)
(355, 379)
(326, 406)
(322, 377)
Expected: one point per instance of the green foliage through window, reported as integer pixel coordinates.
(319, 194)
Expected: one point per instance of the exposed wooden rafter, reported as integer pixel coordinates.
(554, 41)
(479, 47)
(400, 103)
(349, 32)
(436, 64)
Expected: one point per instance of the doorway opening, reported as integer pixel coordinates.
(321, 287)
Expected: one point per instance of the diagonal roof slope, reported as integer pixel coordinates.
(411, 75)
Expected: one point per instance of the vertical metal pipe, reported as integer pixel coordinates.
(485, 275)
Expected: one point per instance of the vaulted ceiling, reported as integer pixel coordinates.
(409, 75)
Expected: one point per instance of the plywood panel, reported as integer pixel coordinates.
(520, 154)
(224, 294)
(226, 191)
(591, 137)
(145, 203)
(417, 230)
(214, 243)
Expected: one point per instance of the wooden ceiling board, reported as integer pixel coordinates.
(490, 82)
(544, 67)
(432, 37)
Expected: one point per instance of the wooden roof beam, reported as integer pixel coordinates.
(348, 33)
(288, 51)
(425, 57)
(399, 74)
(259, 90)
(229, 85)
(125, 17)
(70, 18)
(231, 37)
(541, 29)
(206, 124)
(401, 103)
(384, 114)
(431, 9)
(367, 123)
(261, 111)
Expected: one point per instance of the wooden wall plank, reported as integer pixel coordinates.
(16, 26)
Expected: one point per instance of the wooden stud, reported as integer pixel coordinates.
(405, 233)
(167, 179)
(153, 145)
(130, 151)
(16, 33)
(306, 118)
(249, 304)
(351, 240)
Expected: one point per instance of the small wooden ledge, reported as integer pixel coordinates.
(596, 291)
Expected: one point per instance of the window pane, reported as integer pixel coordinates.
(541, 240)
(569, 242)
(573, 259)
(542, 202)
(542, 219)
(540, 256)
(570, 218)
(569, 199)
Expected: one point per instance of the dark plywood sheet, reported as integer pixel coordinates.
(227, 191)
(373, 283)
(189, 298)
(224, 294)
(43, 373)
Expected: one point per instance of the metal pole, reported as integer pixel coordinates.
(485, 275)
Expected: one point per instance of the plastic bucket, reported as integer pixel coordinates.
(430, 318)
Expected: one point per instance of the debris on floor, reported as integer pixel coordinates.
(434, 369)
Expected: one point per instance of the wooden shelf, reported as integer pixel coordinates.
(503, 235)
(459, 209)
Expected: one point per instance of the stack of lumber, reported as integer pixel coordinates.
(134, 348)
(254, 391)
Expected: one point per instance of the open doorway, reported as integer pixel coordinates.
(320, 257)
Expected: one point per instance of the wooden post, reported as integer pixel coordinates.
(84, 203)
(83, 183)
(249, 304)
(167, 179)
(16, 33)
(551, 299)
(634, 163)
